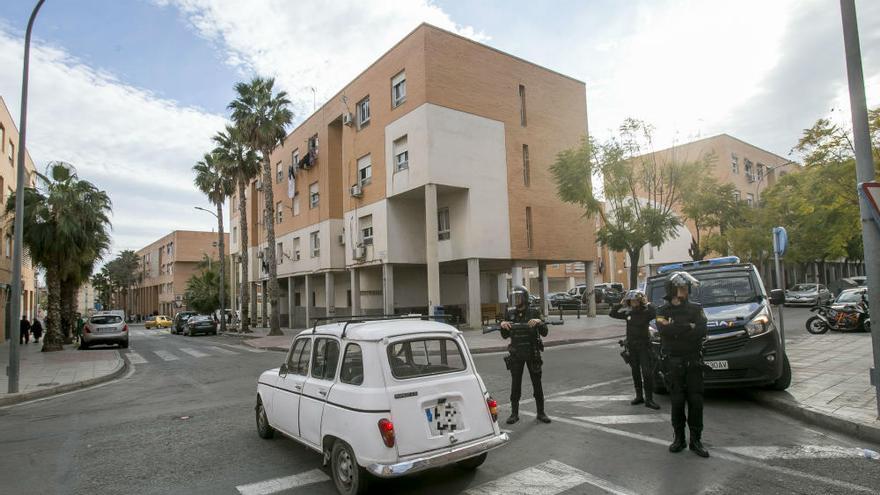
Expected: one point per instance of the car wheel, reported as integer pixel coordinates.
(124, 345)
(783, 381)
(83, 346)
(263, 428)
(473, 462)
(348, 476)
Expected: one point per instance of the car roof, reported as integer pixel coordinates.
(733, 267)
(857, 290)
(377, 330)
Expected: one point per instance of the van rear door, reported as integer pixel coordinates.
(435, 395)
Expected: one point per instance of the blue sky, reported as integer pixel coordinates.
(131, 91)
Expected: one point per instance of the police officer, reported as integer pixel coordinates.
(524, 350)
(638, 312)
(682, 328)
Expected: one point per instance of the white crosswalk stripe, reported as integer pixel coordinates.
(625, 419)
(135, 358)
(192, 352)
(220, 350)
(590, 398)
(285, 483)
(548, 478)
(803, 452)
(240, 347)
(167, 356)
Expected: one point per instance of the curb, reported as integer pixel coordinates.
(817, 417)
(12, 399)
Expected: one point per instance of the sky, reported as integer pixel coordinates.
(130, 92)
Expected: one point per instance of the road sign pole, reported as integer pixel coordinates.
(864, 170)
(780, 284)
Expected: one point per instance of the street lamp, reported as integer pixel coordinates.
(222, 288)
(15, 308)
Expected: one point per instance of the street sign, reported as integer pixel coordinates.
(780, 240)
(871, 192)
(98, 306)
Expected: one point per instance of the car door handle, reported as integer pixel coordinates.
(322, 392)
(298, 387)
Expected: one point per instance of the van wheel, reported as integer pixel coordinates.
(349, 477)
(473, 462)
(783, 381)
(263, 428)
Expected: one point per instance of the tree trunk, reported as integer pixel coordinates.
(68, 295)
(269, 216)
(244, 293)
(633, 269)
(53, 340)
(222, 245)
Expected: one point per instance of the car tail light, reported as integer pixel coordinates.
(124, 328)
(386, 429)
(86, 329)
(493, 408)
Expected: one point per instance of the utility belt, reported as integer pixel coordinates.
(671, 363)
(524, 353)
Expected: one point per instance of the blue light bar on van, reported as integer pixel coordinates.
(726, 260)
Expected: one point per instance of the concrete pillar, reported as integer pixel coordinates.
(502, 289)
(308, 299)
(388, 288)
(253, 312)
(264, 316)
(433, 265)
(543, 288)
(233, 286)
(329, 294)
(355, 292)
(473, 278)
(516, 275)
(591, 283)
(291, 299)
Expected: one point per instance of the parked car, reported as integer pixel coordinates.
(843, 284)
(564, 300)
(849, 298)
(383, 398)
(160, 321)
(808, 295)
(180, 320)
(104, 329)
(609, 293)
(200, 324)
(150, 322)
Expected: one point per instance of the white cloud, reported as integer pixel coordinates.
(135, 145)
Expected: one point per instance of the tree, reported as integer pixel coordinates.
(203, 288)
(710, 206)
(102, 288)
(213, 179)
(262, 116)
(640, 189)
(241, 162)
(66, 227)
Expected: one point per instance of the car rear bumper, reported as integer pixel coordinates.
(444, 458)
(105, 338)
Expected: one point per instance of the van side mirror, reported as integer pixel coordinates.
(777, 297)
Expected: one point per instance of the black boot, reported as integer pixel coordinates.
(639, 398)
(514, 414)
(541, 416)
(696, 445)
(678, 442)
(650, 403)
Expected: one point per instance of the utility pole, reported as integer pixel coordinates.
(864, 170)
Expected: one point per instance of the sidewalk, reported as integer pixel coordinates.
(42, 374)
(830, 384)
(574, 330)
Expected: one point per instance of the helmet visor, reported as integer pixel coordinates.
(683, 279)
(519, 298)
(633, 295)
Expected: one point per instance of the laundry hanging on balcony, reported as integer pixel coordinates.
(291, 180)
(309, 159)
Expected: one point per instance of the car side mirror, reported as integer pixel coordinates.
(282, 371)
(777, 297)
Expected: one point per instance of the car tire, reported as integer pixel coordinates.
(472, 463)
(123, 345)
(263, 429)
(784, 381)
(83, 346)
(348, 476)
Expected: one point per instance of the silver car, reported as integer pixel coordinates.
(808, 294)
(105, 329)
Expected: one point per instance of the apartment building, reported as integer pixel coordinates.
(8, 177)
(166, 266)
(86, 298)
(423, 184)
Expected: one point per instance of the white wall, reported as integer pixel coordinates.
(331, 256)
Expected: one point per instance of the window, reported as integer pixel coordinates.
(750, 199)
(170, 250)
(232, 205)
(296, 249)
(325, 359)
(295, 202)
(298, 362)
(363, 113)
(366, 226)
(315, 243)
(734, 163)
(443, 224)
(313, 143)
(279, 253)
(529, 227)
(522, 105)
(365, 170)
(234, 235)
(747, 164)
(423, 357)
(11, 153)
(352, 370)
(278, 173)
(401, 154)
(760, 171)
(2, 136)
(294, 157)
(526, 172)
(8, 246)
(278, 212)
(314, 195)
(398, 89)
(736, 195)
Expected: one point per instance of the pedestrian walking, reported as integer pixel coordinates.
(524, 327)
(638, 312)
(37, 330)
(80, 324)
(24, 332)
(682, 327)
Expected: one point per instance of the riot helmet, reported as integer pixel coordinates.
(634, 295)
(519, 297)
(679, 279)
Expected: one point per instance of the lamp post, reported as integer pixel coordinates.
(15, 308)
(222, 289)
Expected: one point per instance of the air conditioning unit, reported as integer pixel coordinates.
(348, 119)
(359, 253)
(341, 239)
(356, 191)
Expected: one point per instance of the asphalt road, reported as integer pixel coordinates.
(182, 421)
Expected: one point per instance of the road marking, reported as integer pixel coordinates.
(625, 419)
(221, 350)
(717, 454)
(798, 452)
(547, 478)
(579, 389)
(192, 352)
(135, 358)
(240, 347)
(590, 398)
(285, 483)
(167, 356)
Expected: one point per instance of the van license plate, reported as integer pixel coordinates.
(717, 365)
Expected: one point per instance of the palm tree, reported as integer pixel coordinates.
(66, 226)
(216, 183)
(262, 116)
(241, 162)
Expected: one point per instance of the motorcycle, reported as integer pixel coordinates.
(843, 319)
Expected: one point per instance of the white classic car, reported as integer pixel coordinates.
(381, 398)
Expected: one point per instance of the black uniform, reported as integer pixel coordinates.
(638, 341)
(525, 351)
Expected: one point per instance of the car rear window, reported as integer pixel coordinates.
(423, 357)
(106, 320)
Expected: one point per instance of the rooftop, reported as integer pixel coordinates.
(376, 330)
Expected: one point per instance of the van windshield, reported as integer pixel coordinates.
(716, 289)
